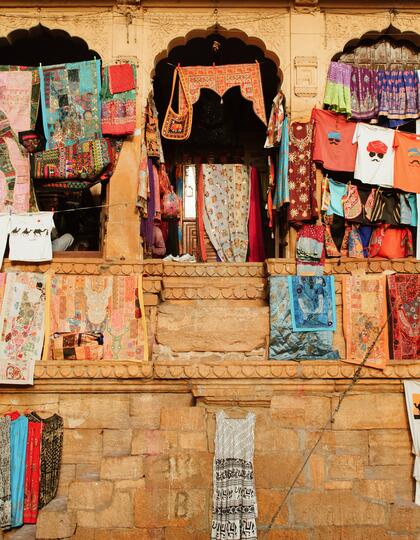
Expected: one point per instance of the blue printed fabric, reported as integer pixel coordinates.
(18, 440)
(285, 344)
(312, 302)
(281, 195)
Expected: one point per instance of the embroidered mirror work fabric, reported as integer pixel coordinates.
(364, 315)
(285, 344)
(70, 102)
(118, 107)
(404, 298)
(21, 326)
(312, 301)
(234, 499)
(100, 304)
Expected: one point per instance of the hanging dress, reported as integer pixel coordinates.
(234, 499)
(51, 450)
(18, 441)
(5, 505)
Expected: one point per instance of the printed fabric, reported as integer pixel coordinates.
(256, 235)
(118, 104)
(337, 90)
(404, 299)
(412, 400)
(365, 319)
(35, 92)
(364, 93)
(15, 116)
(407, 162)
(5, 493)
(310, 250)
(226, 209)
(21, 326)
(143, 179)
(104, 305)
(281, 194)
(30, 237)
(33, 470)
(275, 123)
(51, 451)
(18, 442)
(390, 242)
(398, 94)
(70, 102)
(234, 497)
(302, 174)
(312, 302)
(285, 343)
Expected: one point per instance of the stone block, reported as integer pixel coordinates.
(90, 495)
(183, 418)
(286, 534)
(88, 471)
(152, 442)
(55, 524)
(118, 514)
(316, 471)
(335, 508)
(67, 475)
(82, 446)
(94, 411)
(339, 484)
(346, 467)
(129, 534)
(270, 437)
(306, 411)
(181, 533)
(217, 326)
(145, 408)
(82, 533)
(122, 468)
(178, 470)
(405, 518)
(371, 411)
(269, 501)
(378, 490)
(27, 532)
(390, 447)
(117, 442)
(339, 442)
(277, 470)
(350, 533)
(44, 404)
(193, 441)
(129, 485)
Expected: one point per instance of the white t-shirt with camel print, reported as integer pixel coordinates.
(30, 237)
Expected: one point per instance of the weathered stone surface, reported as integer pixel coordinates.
(152, 442)
(183, 418)
(212, 326)
(277, 470)
(82, 446)
(145, 408)
(27, 532)
(268, 502)
(271, 437)
(88, 471)
(122, 468)
(405, 518)
(378, 490)
(94, 411)
(303, 410)
(90, 495)
(55, 524)
(178, 470)
(390, 447)
(117, 442)
(353, 442)
(181, 533)
(67, 475)
(129, 534)
(193, 441)
(346, 467)
(287, 534)
(118, 514)
(351, 533)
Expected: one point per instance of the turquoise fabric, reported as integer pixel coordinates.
(337, 190)
(18, 440)
(281, 195)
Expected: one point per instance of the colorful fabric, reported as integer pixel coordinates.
(255, 230)
(312, 302)
(35, 93)
(152, 133)
(118, 107)
(21, 327)
(18, 442)
(407, 161)
(412, 400)
(337, 90)
(147, 222)
(234, 496)
(285, 344)
(364, 93)
(70, 102)
(99, 304)
(4, 233)
(337, 192)
(275, 123)
(352, 203)
(392, 243)
(226, 206)
(220, 79)
(143, 180)
(5, 494)
(404, 299)
(310, 251)
(302, 174)
(33, 470)
(398, 94)
(51, 451)
(365, 319)
(281, 194)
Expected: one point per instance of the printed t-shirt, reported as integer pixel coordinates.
(332, 142)
(407, 162)
(30, 237)
(375, 155)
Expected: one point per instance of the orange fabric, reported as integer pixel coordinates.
(407, 162)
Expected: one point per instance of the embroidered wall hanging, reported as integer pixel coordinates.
(404, 299)
(118, 107)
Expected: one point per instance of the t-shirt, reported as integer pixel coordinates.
(4, 232)
(30, 237)
(332, 142)
(375, 155)
(407, 162)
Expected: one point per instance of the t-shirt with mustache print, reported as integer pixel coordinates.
(375, 155)
(407, 161)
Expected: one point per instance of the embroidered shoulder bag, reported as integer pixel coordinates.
(177, 126)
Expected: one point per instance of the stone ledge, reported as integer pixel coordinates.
(346, 265)
(93, 370)
(223, 288)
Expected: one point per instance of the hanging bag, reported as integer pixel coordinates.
(352, 205)
(177, 126)
(170, 200)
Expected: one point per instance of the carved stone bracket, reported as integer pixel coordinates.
(236, 288)
(306, 76)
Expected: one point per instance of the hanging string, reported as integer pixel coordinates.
(92, 207)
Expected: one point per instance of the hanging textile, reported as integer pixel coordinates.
(70, 102)
(255, 231)
(33, 470)
(398, 94)
(118, 99)
(51, 451)
(18, 442)
(147, 222)
(201, 214)
(390, 242)
(143, 179)
(285, 344)
(310, 250)
(337, 90)
(418, 227)
(5, 493)
(4, 233)
(234, 498)
(30, 237)
(15, 116)
(104, 305)
(312, 301)
(226, 207)
(275, 123)
(364, 316)
(407, 161)
(21, 326)
(152, 132)
(364, 93)
(281, 194)
(404, 299)
(35, 92)
(412, 400)
(302, 174)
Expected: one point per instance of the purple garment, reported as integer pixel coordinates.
(398, 94)
(147, 223)
(364, 93)
(339, 73)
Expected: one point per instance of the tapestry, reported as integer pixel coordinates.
(364, 315)
(36, 89)
(15, 116)
(285, 343)
(118, 104)
(404, 299)
(70, 102)
(412, 400)
(105, 305)
(21, 326)
(312, 301)
(226, 209)
(310, 250)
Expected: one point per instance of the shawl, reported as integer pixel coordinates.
(21, 326)
(412, 400)
(404, 299)
(148, 220)
(312, 301)
(33, 470)
(5, 495)
(364, 93)
(101, 304)
(255, 231)
(281, 195)
(118, 107)
(285, 344)
(51, 451)
(337, 90)
(70, 102)
(275, 123)
(143, 186)
(18, 442)
(364, 315)
(310, 250)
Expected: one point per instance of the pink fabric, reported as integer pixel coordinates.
(255, 232)
(157, 193)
